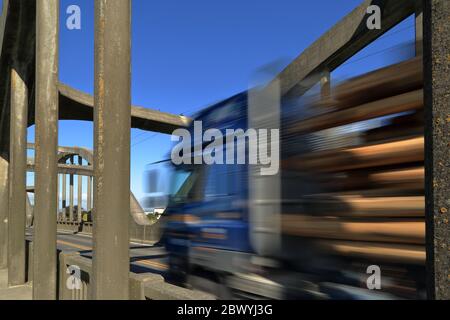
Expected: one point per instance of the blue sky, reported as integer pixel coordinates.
(187, 54)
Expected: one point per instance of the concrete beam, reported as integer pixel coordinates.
(47, 33)
(65, 153)
(77, 105)
(112, 126)
(340, 43)
(437, 160)
(66, 169)
(17, 181)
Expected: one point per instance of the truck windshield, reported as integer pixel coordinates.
(183, 184)
(178, 180)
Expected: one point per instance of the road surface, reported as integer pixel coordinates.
(143, 258)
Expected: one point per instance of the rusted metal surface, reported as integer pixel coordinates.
(112, 122)
(17, 181)
(47, 32)
(437, 160)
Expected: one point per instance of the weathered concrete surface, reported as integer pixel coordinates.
(112, 122)
(77, 105)
(155, 288)
(437, 160)
(23, 292)
(17, 180)
(339, 43)
(47, 64)
(4, 211)
(17, 43)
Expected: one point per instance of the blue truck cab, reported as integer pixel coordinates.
(207, 219)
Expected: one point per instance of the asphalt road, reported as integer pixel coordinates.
(143, 258)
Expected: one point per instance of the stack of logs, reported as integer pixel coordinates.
(373, 206)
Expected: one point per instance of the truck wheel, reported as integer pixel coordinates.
(178, 270)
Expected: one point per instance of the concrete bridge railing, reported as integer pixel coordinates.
(141, 286)
(70, 216)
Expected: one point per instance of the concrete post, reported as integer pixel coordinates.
(47, 32)
(89, 194)
(80, 192)
(437, 161)
(4, 209)
(325, 84)
(419, 28)
(112, 126)
(64, 196)
(71, 194)
(17, 180)
(57, 196)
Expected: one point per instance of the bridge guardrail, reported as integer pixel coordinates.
(145, 286)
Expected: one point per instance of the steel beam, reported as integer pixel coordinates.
(437, 161)
(112, 125)
(17, 180)
(44, 266)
